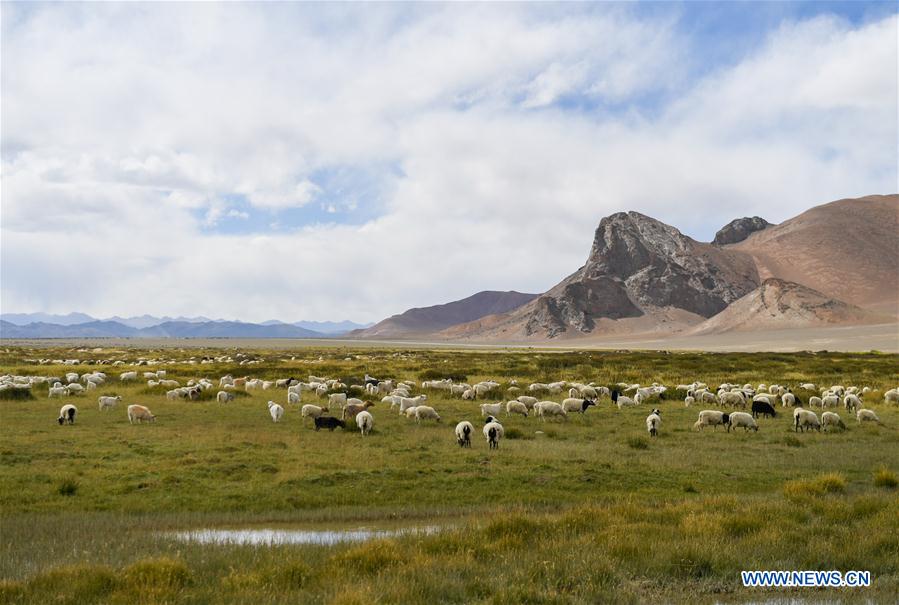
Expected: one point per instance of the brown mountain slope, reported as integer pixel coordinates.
(426, 320)
(782, 304)
(641, 276)
(848, 249)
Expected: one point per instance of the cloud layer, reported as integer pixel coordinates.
(349, 161)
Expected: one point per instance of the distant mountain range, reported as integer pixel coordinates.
(425, 320)
(80, 325)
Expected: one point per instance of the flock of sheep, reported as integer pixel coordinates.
(760, 400)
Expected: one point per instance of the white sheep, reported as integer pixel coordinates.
(409, 412)
(542, 409)
(852, 402)
(516, 407)
(275, 410)
(364, 420)
(805, 419)
(74, 388)
(830, 420)
(106, 403)
(222, 396)
(491, 409)
(411, 402)
(58, 392)
(711, 418)
(424, 412)
(139, 413)
(788, 400)
(732, 399)
(338, 399)
(293, 399)
(493, 432)
(815, 401)
(463, 433)
(577, 405)
(311, 411)
(653, 422)
(125, 376)
(528, 401)
(688, 401)
(67, 414)
(831, 401)
(738, 419)
(891, 396)
(866, 415)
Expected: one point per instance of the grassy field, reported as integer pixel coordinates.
(588, 510)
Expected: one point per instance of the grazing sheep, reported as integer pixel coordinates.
(493, 431)
(865, 415)
(653, 421)
(732, 399)
(469, 394)
(410, 413)
(293, 399)
(542, 409)
(762, 407)
(338, 399)
(139, 413)
(352, 409)
(329, 422)
(830, 420)
(711, 418)
(463, 433)
(74, 388)
(891, 396)
(491, 409)
(516, 407)
(125, 376)
(808, 386)
(312, 411)
(769, 399)
(364, 420)
(738, 419)
(528, 401)
(852, 402)
(275, 410)
(621, 401)
(831, 401)
(106, 403)
(67, 414)
(423, 412)
(58, 392)
(223, 396)
(788, 399)
(578, 405)
(689, 400)
(815, 401)
(805, 419)
(411, 402)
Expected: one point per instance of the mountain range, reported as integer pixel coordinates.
(80, 325)
(835, 264)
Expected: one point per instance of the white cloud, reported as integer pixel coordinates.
(128, 132)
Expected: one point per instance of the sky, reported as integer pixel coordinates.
(348, 161)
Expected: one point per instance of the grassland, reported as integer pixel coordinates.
(590, 510)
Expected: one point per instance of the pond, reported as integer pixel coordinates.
(277, 537)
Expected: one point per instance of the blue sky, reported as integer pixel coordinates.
(392, 155)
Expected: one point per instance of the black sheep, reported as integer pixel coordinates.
(764, 408)
(329, 422)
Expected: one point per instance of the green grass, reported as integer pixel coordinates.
(589, 510)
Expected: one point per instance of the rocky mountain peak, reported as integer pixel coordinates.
(639, 265)
(739, 229)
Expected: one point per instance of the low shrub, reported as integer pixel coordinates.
(885, 478)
